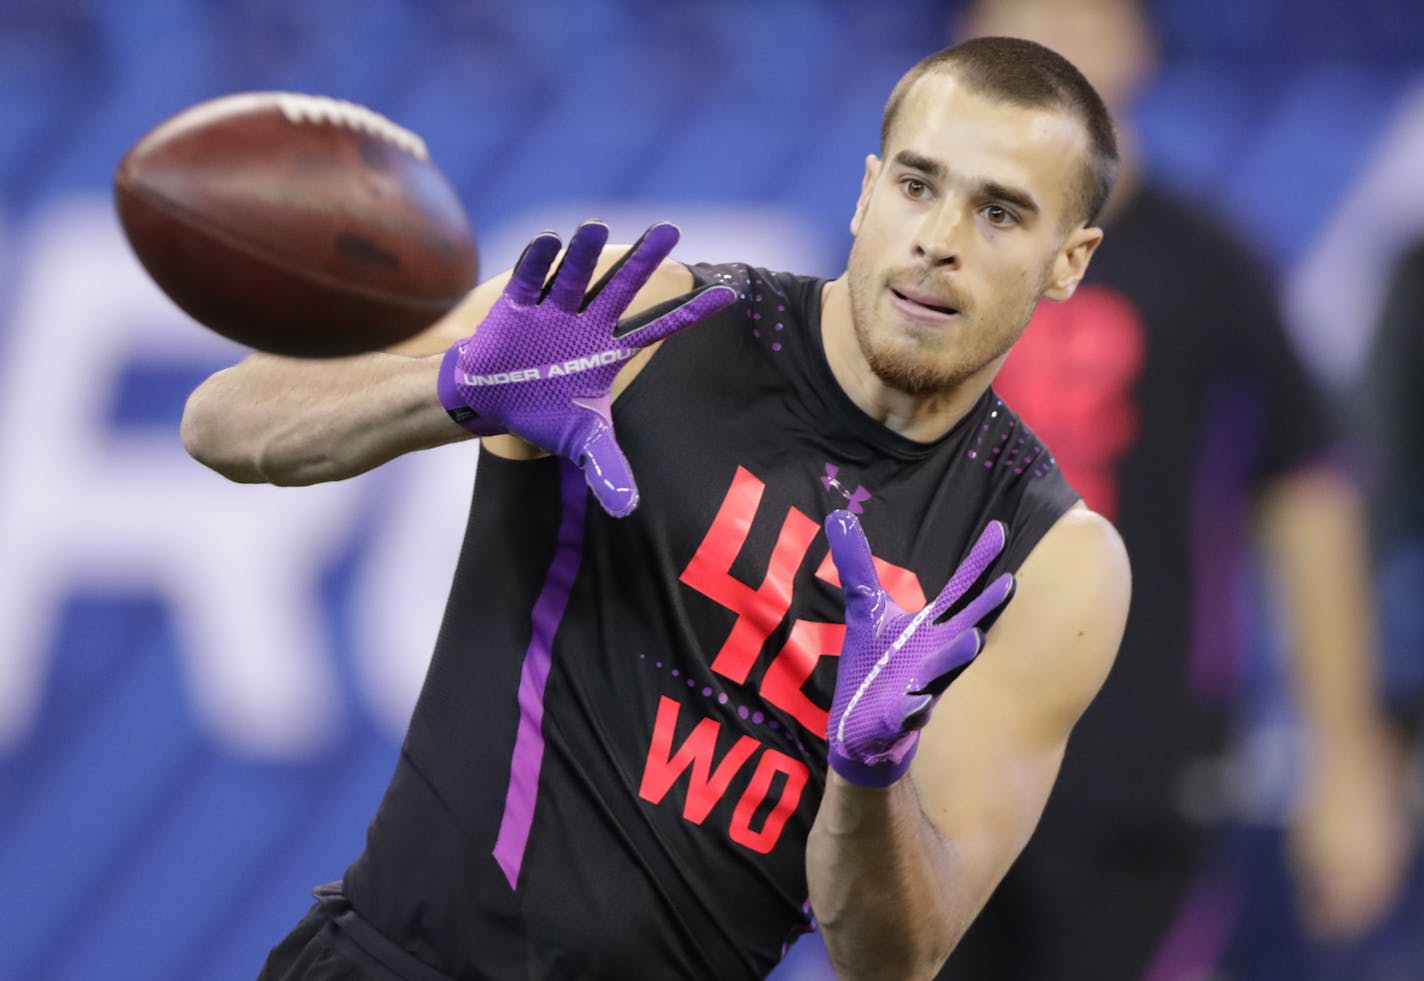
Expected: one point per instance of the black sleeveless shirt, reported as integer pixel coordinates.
(620, 747)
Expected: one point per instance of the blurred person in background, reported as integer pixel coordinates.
(1357, 301)
(1392, 411)
(1177, 405)
(1389, 401)
(1356, 304)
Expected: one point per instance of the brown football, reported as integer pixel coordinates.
(296, 224)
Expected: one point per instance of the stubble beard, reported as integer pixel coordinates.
(918, 363)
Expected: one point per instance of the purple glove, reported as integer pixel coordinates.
(894, 665)
(541, 364)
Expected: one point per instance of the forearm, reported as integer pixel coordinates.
(882, 883)
(289, 421)
(1350, 834)
(1314, 530)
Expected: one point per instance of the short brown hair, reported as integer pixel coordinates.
(1025, 73)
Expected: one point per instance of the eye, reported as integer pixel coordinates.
(997, 215)
(914, 188)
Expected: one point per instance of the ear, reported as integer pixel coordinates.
(867, 184)
(1072, 262)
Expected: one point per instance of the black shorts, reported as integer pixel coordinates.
(332, 943)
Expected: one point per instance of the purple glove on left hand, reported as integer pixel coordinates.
(894, 665)
(541, 364)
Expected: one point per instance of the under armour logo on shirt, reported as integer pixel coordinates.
(854, 498)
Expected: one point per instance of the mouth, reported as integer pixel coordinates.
(922, 306)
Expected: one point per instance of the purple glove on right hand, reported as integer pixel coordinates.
(894, 665)
(541, 364)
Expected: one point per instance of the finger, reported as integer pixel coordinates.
(851, 553)
(979, 610)
(632, 271)
(981, 556)
(527, 281)
(931, 678)
(572, 278)
(914, 710)
(937, 670)
(605, 467)
(703, 304)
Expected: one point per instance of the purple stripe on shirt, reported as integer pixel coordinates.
(547, 615)
(1195, 943)
(1220, 533)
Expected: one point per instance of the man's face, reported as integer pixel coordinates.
(960, 230)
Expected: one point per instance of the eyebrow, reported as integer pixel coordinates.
(993, 189)
(916, 161)
(1019, 199)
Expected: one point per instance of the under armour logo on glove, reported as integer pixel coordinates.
(541, 364)
(894, 665)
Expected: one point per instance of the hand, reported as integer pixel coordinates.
(541, 364)
(1351, 838)
(894, 665)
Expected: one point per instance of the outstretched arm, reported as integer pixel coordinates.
(295, 421)
(292, 421)
(897, 873)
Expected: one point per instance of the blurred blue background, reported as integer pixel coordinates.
(202, 687)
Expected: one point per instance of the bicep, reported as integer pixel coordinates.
(992, 750)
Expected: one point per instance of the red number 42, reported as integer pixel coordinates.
(761, 609)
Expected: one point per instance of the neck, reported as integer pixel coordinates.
(923, 418)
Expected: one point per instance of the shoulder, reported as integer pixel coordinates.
(1082, 551)
(1030, 491)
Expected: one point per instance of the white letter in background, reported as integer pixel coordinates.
(84, 506)
(767, 237)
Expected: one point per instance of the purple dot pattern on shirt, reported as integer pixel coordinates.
(1024, 453)
(758, 296)
(755, 717)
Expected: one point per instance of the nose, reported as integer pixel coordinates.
(938, 237)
